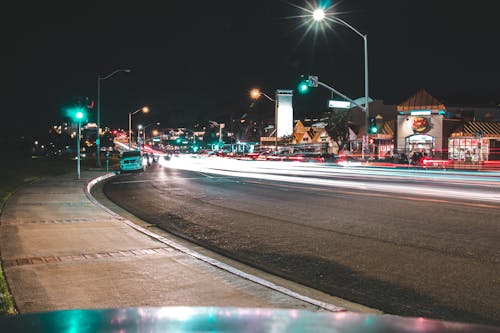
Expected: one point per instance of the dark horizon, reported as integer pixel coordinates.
(198, 60)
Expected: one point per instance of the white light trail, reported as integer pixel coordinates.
(301, 173)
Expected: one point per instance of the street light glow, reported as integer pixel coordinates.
(319, 14)
(145, 109)
(255, 93)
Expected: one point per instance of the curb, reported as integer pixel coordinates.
(326, 306)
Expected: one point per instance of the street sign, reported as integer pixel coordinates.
(313, 80)
(336, 104)
(361, 101)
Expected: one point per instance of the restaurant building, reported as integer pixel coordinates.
(424, 125)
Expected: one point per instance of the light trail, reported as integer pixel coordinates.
(320, 175)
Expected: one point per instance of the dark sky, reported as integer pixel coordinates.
(194, 60)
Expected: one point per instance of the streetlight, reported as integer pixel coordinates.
(98, 140)
(221, 126)
(256, 93)
(320, 15)
(144, 109)
(139, 128)
(144, 131)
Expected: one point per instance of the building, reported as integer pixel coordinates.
(427, 126)
(420, 126)
(475, 141)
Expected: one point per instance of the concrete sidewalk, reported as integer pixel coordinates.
(60, 251)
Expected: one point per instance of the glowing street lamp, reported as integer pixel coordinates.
(256, 93)
(98, 139)
(320, 15)
(144, 109)
(143, 128)
(221, 126)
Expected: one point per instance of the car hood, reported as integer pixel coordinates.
(222, 319)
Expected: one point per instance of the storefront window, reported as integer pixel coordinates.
(468, 149)
(420, 143)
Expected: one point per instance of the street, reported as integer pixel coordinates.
(417, 244)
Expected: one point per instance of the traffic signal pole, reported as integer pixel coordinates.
(98, 138)
(313, 81)
(365, 147)
(78, 150)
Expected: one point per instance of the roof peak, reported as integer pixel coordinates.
(422, 100)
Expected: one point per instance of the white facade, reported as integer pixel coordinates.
(284, 113)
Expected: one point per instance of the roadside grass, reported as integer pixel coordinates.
(16, 172)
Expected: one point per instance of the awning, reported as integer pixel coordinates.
(478, 128)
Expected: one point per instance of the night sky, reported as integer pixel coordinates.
(197, 60)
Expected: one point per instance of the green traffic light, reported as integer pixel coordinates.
(76, 113)
(373, 126)
(303, 87)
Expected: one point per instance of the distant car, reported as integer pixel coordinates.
(132, 161)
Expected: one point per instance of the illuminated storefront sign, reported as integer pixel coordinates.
(420, 113)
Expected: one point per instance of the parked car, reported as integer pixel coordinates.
(132, 160)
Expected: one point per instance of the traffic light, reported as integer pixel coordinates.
(303, 85)
(77, 114)
(373, 126)
(307, 82)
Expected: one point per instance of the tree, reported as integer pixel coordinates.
(210, 137)
(337, 127)
(285, 140)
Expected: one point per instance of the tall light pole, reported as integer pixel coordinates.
(221, 126)
(255, 94)
(319, 15)
(144, 130)
(144, 109)
(98, 139)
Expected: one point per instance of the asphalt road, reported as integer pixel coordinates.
(403, 253)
